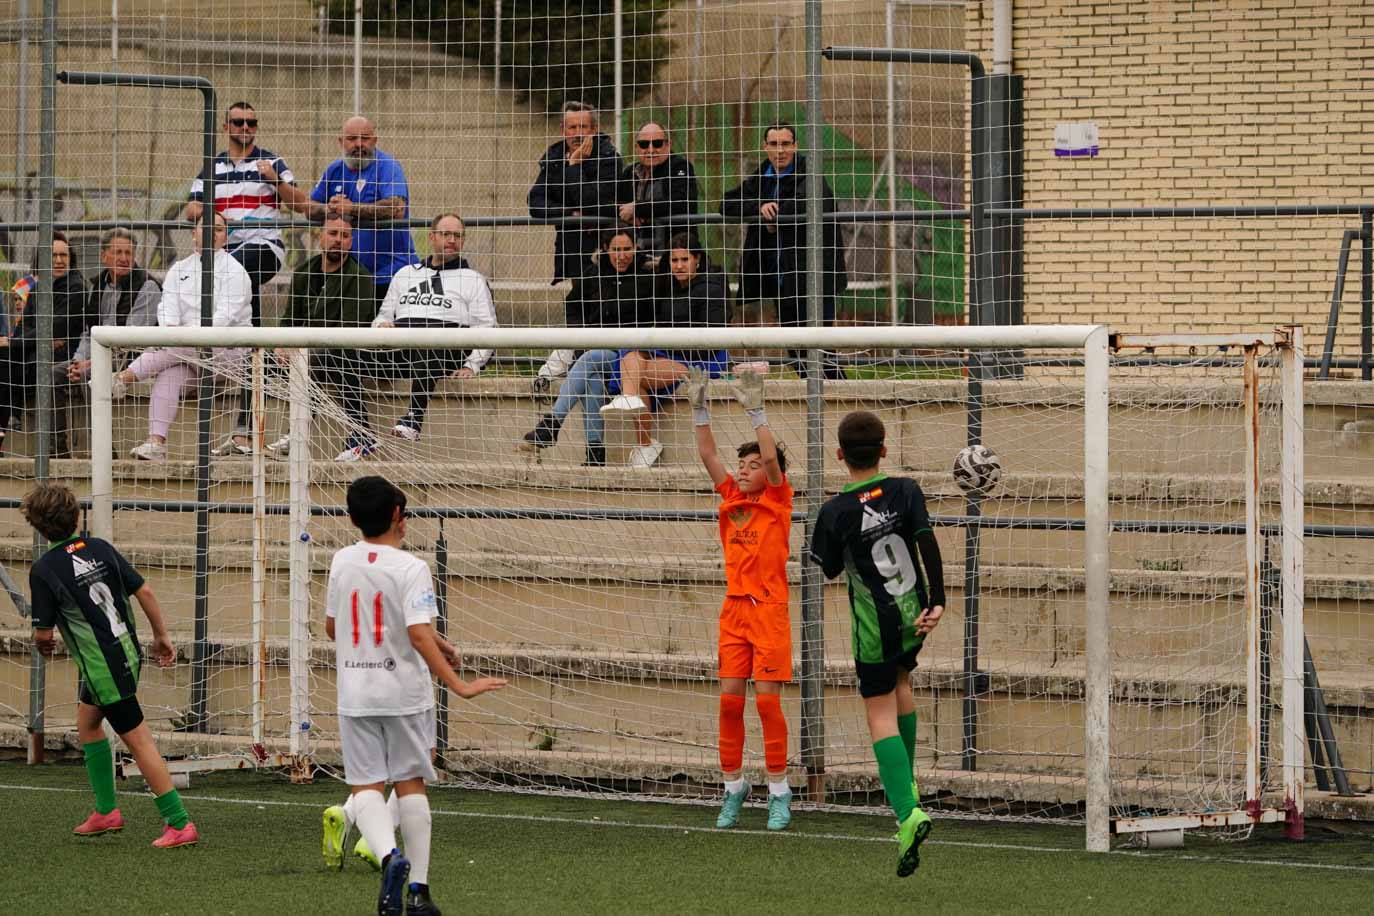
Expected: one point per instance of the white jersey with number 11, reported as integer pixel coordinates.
(375, 593)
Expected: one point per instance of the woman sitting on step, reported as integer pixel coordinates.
(693, 294)
(613, 294)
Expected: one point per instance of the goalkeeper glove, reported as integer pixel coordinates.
(748, 388)
(697, 380)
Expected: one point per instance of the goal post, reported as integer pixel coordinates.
(1060, 730)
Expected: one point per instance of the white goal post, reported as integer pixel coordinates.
(1093, 344)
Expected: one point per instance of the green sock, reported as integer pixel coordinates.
(100, 773)
(170, 807)
(894, 769)
(907, 726)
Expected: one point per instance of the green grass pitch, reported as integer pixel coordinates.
(506, 853)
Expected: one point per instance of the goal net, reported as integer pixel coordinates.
(1152, 684)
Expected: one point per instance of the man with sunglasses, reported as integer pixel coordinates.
(248, 180)
(664, 185)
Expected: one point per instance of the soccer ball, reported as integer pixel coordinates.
(977, 469)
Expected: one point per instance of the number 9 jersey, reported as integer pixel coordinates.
(82, 586)
(872, 530)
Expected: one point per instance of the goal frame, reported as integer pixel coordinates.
(1093, 342)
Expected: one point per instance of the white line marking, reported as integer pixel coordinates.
(781, 835)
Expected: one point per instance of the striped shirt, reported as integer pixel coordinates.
(242, 194)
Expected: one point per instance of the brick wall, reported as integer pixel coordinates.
(1197, 102)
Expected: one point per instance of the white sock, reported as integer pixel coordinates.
(350, 810)
(734, 786)
(778, 785)
(374, 822)
(395, 809)
(415, 823)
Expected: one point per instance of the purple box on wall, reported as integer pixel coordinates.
(1075, 140)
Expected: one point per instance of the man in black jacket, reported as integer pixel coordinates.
(662, 185)
(580, 175)
(774, 261)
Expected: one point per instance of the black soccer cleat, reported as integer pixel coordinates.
(544, 434)
(391, 896)
(418, 902)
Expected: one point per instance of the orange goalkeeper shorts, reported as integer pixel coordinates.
(755, 640)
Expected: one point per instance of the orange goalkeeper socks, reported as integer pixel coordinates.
(731, 732)
(774, 731)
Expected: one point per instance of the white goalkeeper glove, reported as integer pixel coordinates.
(697, 380)
(748, 388)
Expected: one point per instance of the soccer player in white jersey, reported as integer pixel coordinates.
(379, 608)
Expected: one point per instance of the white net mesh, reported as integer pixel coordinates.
(595, 587)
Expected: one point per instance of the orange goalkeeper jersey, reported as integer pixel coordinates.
(754, 530)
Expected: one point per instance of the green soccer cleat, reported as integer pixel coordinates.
(779, 811)
(335, 834)
(364, 852)
(730, 808)
(910, 835)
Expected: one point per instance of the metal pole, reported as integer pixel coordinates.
(1252, 576)
(358, 57)
(21, 116)
(618, 14)
(1097, 683)
(1337, 293)
(813, 602)
(891, 30)
(1292, 474)
(1367, 294)
(42, 317)
(114, 112)
(298, 473)
(441, 626)
(259, 614)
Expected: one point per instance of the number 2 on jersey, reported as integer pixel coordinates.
(103, 598)
(376, 619)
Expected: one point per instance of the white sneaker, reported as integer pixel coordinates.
(150, 451)
(119, 389)
(231, 449)
(406, 432)
(281, 448)
(356, 453)
(643, 457)
(625, 402)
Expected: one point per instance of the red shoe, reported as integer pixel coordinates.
(172, 837)
(99, 823)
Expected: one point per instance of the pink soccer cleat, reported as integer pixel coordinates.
(172, 837)
(99, 823)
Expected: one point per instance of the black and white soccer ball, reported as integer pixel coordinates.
(977, 469)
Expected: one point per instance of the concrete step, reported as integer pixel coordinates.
(662, 707)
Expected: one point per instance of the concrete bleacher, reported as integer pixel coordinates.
(626, 627)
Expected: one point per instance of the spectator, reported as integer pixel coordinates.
(442, 291)
(19, 349)
(123, 295)
(250, 184)
(368, 186)
(580, 175)
(332, 290)
(174, 369)
(616, 294)
(774, 262)
(662, 185)
(693, 294)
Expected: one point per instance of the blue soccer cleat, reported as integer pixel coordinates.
(391, 896)
(779, 810)
(730, 808)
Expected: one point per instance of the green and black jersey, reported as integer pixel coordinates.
(82, 586)
(872, 530)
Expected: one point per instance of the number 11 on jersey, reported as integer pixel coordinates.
(376, 619)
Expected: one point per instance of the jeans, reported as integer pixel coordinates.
(586, 384)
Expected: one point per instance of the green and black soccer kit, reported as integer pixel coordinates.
(873, 530)
(82, 586)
